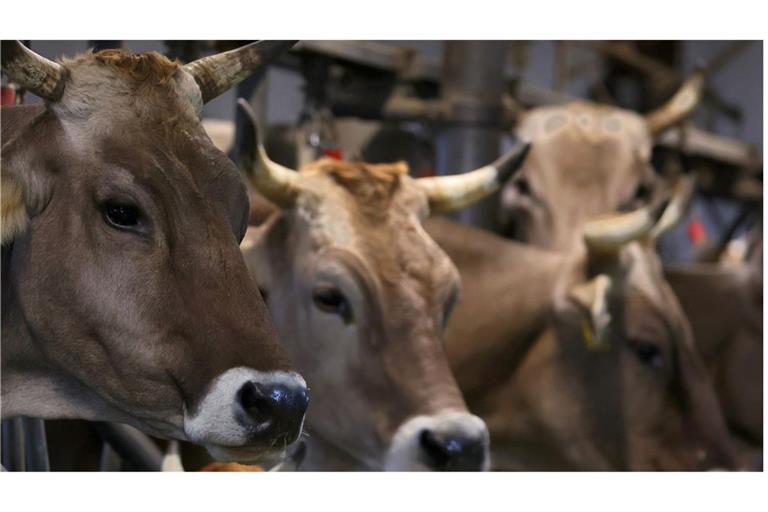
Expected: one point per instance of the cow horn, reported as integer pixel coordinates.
(680, 106)
(675, 211)
(218, 73)
(277, 183)
(611, 232)
(33, 72)
(451, 193)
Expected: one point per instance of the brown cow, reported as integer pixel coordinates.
(589, 159)
(360, 294)
(125, 297)
(727, 322)
(581, 360)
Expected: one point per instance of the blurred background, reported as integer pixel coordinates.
(449, 106)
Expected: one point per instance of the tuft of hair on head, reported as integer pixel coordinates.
(371, 184)
(140, 67)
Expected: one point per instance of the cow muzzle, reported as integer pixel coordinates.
(249, 415)
(449, 441)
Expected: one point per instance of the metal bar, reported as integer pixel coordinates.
(132, 445)
(110, 459)
(13, 445)
(36, 446)
(473, 84)
(726, 56)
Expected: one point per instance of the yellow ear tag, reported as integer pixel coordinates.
(589, 335)
(590, 340)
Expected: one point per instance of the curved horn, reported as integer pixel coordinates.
(680, 106)
(218, 73)
(451, 193)
(611, 232)
(675, 211)
(277, 183)
(33, 72)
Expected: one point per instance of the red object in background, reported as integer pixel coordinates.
(8, 96)
(332, 153)
(696, 232)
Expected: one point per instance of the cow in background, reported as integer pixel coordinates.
(589, 159)
(581, 360)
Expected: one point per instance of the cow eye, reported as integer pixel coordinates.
(121, 215)
(649, 354)
(643, 192)
(331, 300)
(448, 308)
(521, 182)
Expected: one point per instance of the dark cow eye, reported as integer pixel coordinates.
(522, 185)
(331, 300)
(642, 192)
(121, 215)
(449, 305)
(649, 354)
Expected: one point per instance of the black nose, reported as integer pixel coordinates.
(273, 411)
(452, 452)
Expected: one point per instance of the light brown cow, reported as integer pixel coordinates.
(587, 160)
(581, 360)
(125, 297)
(727, 320)
(360, 295)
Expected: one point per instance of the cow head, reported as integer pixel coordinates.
(127, 289)
(587, 160)
(360, 294)
(623, 385)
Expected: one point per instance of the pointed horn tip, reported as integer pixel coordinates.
(507, 164)
(657, 212)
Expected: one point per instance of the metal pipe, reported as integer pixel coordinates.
(36, 446)
(473, 84)
(110, 459)
(132, 445)
(13, 445)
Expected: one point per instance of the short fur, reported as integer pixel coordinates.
(372, 185)
(112, 324)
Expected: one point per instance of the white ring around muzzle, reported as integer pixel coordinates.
(406, 452)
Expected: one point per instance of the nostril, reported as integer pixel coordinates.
(273, 405)
(436, 451)
(451, 451)
(254, 401)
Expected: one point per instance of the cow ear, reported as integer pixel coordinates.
(25, 189)
(14, 211)
(26, 183)
(256, 258)
(591, 302)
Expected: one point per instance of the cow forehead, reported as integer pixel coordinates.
(392, 242)
(149, 127)
(141, 89)
(588, 123)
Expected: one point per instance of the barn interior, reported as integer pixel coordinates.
(450, 107)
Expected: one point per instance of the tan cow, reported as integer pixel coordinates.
(125, 297)
(360, 294)
(581, 360)
(589, 159)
